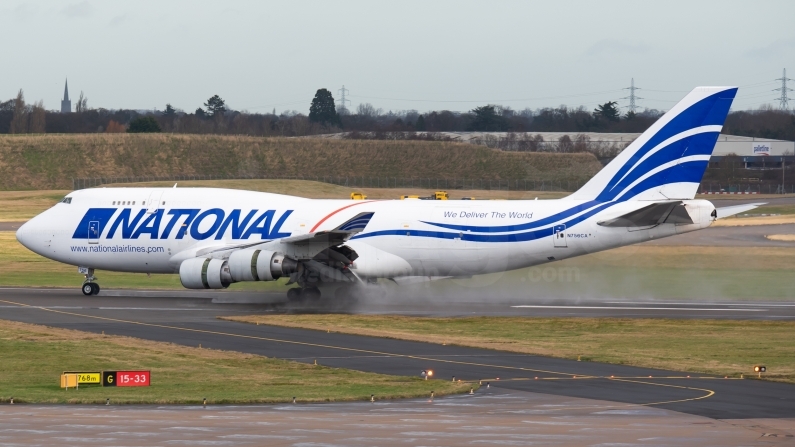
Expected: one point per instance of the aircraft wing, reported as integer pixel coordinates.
(727, 211)
(340, 234)
(301, 247)
(654, 214)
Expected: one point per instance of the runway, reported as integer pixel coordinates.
(191, 321)
(747, 236)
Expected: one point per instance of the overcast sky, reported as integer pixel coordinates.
(398, 55)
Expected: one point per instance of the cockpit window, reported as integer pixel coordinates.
(66, 200)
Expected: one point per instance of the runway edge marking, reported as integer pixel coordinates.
(710, 393)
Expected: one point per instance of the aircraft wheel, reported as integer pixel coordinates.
(294, 294)
(310, 293)
(95, 288)
(88, 288)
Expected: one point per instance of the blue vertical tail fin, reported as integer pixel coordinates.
(669, 159)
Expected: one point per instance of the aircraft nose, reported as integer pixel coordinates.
(26, 235)
(23, 234)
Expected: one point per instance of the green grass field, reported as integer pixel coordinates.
(722, 347)
(33, 357)
(51, 161)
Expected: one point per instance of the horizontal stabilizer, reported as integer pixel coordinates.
(654, 214)
(727, 211)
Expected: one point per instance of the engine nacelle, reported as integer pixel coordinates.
(204, 273)
(259, 265)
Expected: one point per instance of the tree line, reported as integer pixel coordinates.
(367, 121)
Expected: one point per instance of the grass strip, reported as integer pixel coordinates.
(722, 347)
(34, 356)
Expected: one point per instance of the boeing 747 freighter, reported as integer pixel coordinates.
(215, 237)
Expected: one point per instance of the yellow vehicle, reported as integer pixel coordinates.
(438, 195)
(441, 195)
(358, 196)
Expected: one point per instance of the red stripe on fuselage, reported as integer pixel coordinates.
(335, 212)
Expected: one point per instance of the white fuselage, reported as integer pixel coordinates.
(153, 230)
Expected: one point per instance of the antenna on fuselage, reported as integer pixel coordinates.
(175, 185)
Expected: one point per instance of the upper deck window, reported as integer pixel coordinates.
(66, 200)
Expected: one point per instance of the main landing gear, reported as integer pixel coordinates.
(89, 286)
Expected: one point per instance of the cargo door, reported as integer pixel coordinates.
(559, 236)
(93, 232)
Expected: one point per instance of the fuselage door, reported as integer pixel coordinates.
(93, 232)
(559, 236)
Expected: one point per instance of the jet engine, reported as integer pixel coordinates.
(204, 273)
(259, 265)
(242, 265)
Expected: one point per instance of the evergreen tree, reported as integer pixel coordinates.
(608, 111)
(170, 111)
(488, 120)
(323, 110)
(144, 124)
(420, 124)
(215, 106)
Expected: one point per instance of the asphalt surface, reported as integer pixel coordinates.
(490, 417)
(10, 226)
(192, 322)
(747, 236)
(721, 200)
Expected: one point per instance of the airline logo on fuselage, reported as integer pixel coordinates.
(193, 222)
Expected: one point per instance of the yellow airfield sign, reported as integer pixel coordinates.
(87, 378)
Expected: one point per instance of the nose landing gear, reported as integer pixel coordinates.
(89, 286)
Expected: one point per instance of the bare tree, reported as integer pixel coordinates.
(37, 118)
(564, 144)
(367, 109)
(19, 123)
(82, 104)
(581, 143)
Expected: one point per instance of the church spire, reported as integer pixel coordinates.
(66, 104)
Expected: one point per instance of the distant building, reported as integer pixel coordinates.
(755, 153)
(66, 104)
